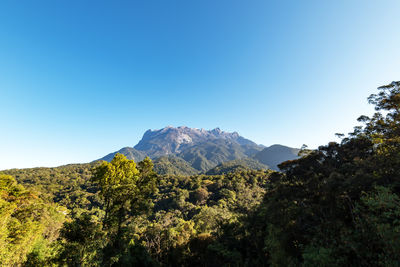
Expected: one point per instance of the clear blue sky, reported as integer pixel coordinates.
(80, 79)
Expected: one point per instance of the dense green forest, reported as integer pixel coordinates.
(338, 205)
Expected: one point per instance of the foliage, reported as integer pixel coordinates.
(238, 164)
(171, 165)
(126, 193)
(68, 186)
(338, 205)
(25, 220)
(80, 241)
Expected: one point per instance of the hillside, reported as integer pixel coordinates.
(274, 155)
(128, 152)
(236, 165)
(172, 165)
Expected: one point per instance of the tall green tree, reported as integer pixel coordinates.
(82, 240)
(126, 193)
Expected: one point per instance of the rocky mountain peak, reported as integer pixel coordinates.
(172, 140)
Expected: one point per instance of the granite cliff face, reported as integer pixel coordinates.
(171, 140)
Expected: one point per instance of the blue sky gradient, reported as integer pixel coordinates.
(80, 79)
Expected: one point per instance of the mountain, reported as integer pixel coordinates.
(186, 151)
(274, 155)
(171, 140)
(202, 149)
(129, 152)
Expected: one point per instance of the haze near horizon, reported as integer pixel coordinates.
(79, 79)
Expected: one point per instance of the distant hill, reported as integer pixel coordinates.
(274, 155)
(234, 165)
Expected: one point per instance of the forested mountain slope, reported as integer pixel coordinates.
(128, 152)
(173, 165)
(238, 164)
(274, 155)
